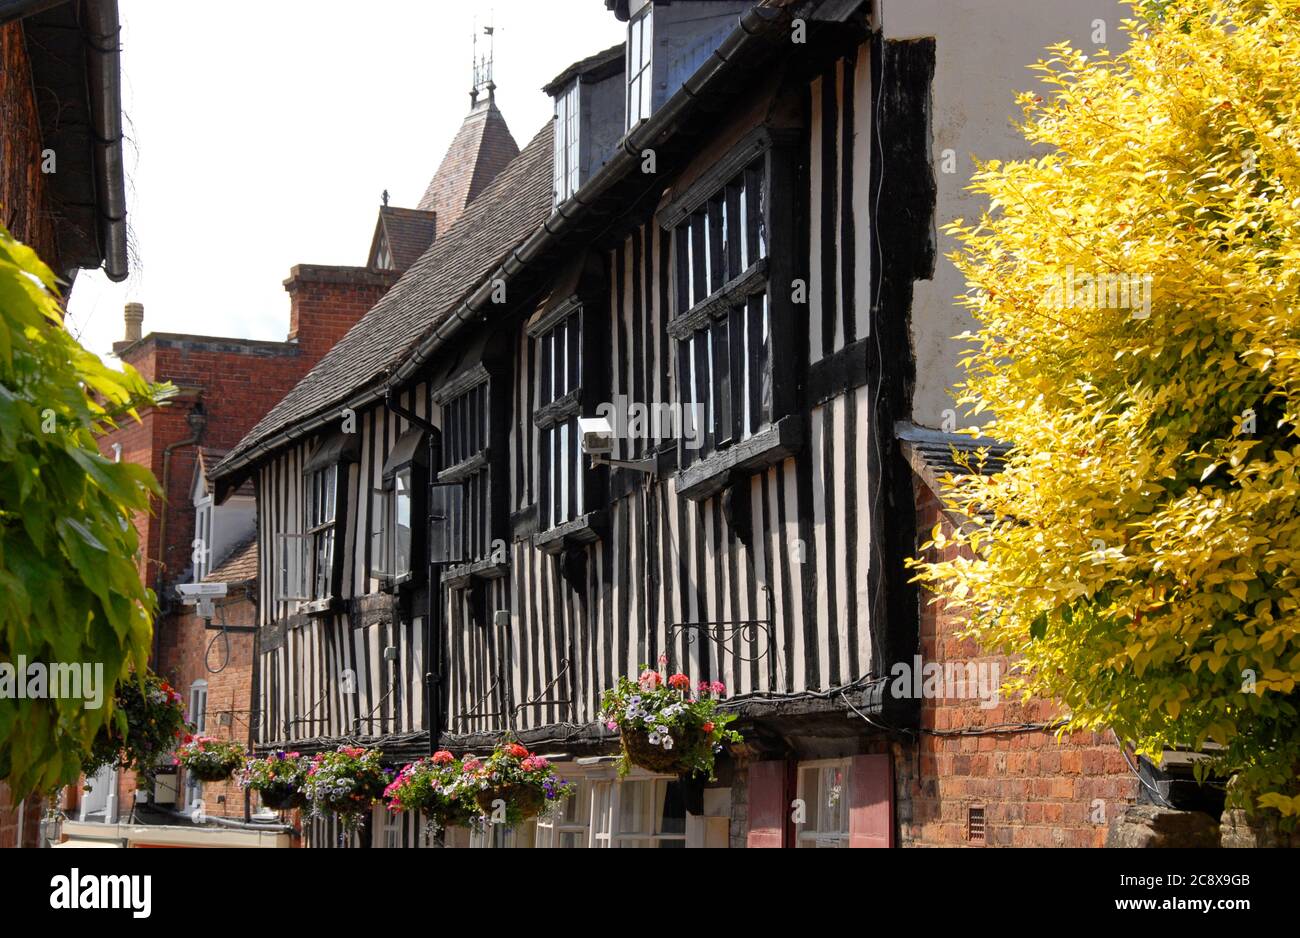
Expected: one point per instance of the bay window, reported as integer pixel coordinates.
(734, 319)
(724, 328)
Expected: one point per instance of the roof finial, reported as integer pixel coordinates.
(385, 198)
(483, 66)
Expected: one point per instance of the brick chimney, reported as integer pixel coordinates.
(134, 318)
(325, 302)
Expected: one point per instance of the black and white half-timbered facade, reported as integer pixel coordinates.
(713, 247)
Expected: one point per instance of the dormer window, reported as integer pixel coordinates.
(567, 175)
(639, 74)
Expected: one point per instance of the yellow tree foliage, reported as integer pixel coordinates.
(1137, 298)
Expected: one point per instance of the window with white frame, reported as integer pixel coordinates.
(501, 837)
(722, 326)
(640, 36)
(824, 790)
(648, 812)
(567, 176)
(387, 828)
(202, 552)
(569, 825)
(559, 388)
(198, 718)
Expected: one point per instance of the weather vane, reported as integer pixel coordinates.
(483, 64)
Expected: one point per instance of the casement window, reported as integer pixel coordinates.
(202, 546)
(724, 326)
(500, 837)
(566, 176)
(309, 564)
(387, 828)
(824, 789)
(322, 514)
(198, 718)
(569, 825)
(460, 506)
(396, 543)
(199, 706)
(558, 349)
(640, 86)
(638, 813)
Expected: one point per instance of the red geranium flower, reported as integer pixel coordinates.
(442, 757)
(679, 681)
(518, 751)
(708, 727)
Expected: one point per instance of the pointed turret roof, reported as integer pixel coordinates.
(480, 150)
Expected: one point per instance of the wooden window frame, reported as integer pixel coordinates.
(814, 838)
(559, 407)
(641, 82)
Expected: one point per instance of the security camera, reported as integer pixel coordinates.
(597, 435)
(191, 593)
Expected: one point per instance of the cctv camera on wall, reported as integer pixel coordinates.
(597, 435)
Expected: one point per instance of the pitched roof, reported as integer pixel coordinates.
(593, 68)
(481, 149)
(934, 454)
(240, 565)
(407, 231)
(511, 208)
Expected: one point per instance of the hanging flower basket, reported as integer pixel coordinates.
(522, 801)
(525, 784)
(278, 779)
(210, 760)
(436, 786)
(663, 728)
(345, 783)
(148, 721)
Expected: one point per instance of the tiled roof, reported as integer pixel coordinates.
(594, 67)
(481, 149)
(508, 210)
(240, 565)
(408, 231)
(208, 459)
(934, 454)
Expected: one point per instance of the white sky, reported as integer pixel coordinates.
(262, 132)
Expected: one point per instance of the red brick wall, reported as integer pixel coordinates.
(1036, 790)
(32, 808)
(188, 658)
(23, 205)
(325, 302)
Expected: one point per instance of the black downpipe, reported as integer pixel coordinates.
(432, 592)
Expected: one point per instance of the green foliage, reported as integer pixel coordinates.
(70, 590)
(1141, 550)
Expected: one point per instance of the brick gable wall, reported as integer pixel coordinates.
(1036, 790)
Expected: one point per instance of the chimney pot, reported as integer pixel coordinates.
(134, 316)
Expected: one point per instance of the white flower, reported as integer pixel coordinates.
(654, 739)
(668, 742)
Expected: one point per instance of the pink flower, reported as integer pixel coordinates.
(718, 688)
(663, 661)
(679, 681)
(649, 680)
(442, 757)
(611, 725)
(471, 765)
